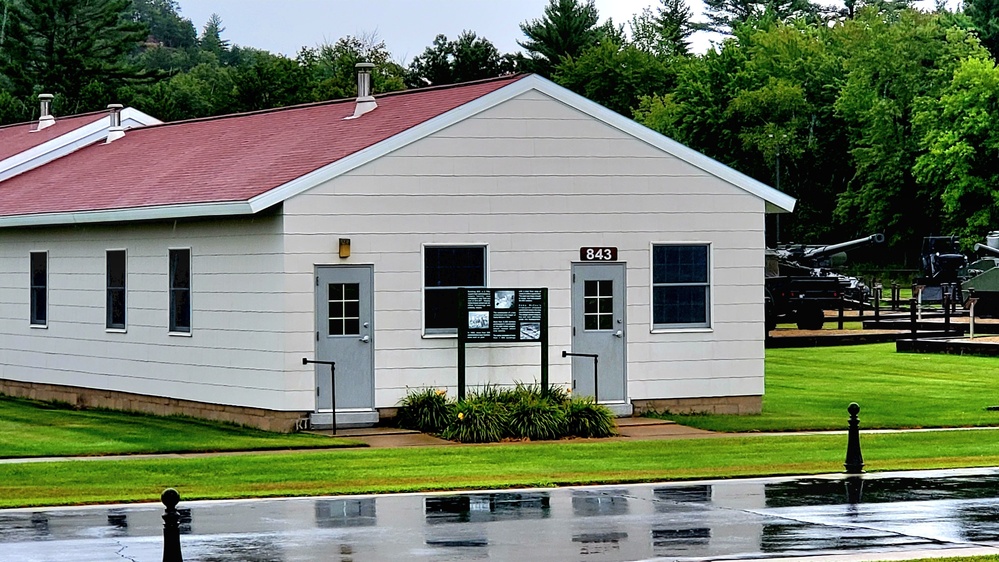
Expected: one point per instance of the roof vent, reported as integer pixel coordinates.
(45, 118)
(365, 101)
(116, 131)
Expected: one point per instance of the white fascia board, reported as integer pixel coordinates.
(69, 142)
(777, 202)
(166, 212)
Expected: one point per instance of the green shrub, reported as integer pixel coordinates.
(585, 418)
(426, 410)
(558, 394)
(476, 419)
(536, 418)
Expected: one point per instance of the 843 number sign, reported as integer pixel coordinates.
(598, 254)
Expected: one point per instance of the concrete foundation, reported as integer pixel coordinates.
(739, 405)
(270, 420)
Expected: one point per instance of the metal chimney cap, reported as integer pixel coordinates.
(115, 106)
(45, 97)
(364, 65)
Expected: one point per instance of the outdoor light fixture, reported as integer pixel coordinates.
(345, 247)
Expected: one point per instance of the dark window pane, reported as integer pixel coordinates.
(39, 312)
(336, 327)
(352, 326)
(606, 321)
(441, 309)
(351, 309)
(39, 275)
(606, 288)
(590, 289)
(336, 309)
(679, 305)
(116, 308)
(589, 306)
(454, 267)
(607, 305)
(180, 310)
(351, 292)
(116, 269)
(680, 264)
(180, 269)
(590, 322)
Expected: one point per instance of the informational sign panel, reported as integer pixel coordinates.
(487, 315)
(504, 315)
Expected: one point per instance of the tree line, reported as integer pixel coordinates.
(876, 116)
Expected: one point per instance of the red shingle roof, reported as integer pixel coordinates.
(19, 137)
(224, 159)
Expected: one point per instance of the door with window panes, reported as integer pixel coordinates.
(345, 335)
(599, 326)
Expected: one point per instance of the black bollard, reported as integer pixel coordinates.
(912, 316)
(171, 526)
(854, 459)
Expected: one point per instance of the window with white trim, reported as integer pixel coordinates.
(116, 275)
(445, 269)
(180, 291)
(39, 288)
(681, 286)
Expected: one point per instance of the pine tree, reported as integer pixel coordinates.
(65, 47)
(567, 28)
(984, 14)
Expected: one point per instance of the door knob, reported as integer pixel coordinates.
(619, 334)
(365, 339)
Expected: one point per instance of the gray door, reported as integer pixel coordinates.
(345, 335)
(599, 326)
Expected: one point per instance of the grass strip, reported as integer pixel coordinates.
(355, 471)
(30, 428)
(810, 388)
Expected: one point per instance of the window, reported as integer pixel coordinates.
(344, 307)
(680, 286)
(445, 268)
(180, 291)
(116, 289)
(39, 288)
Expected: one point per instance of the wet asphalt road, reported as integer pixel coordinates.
(753, 518)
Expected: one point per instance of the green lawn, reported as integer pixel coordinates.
(810, 388)
(37, 429)
(352, 471)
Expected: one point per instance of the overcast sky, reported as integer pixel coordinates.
(406, 26)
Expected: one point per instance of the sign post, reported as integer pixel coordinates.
(488, 315)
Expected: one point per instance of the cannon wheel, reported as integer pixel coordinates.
(811, 318)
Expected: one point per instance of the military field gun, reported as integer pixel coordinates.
(800, 283)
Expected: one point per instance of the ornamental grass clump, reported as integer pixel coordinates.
(477, 419)
(427, 410)
(586, 418)
(536, 418)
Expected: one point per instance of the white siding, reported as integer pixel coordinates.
(535, 180)
(235, 353)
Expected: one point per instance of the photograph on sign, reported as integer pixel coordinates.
(478, 320)
(530, 331)
(504, 299)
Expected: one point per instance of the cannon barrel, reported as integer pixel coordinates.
(826, 251)
(986, 249)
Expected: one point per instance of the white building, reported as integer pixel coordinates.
(190, 267)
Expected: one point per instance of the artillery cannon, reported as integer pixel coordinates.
(980, 278)
(800, 284)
